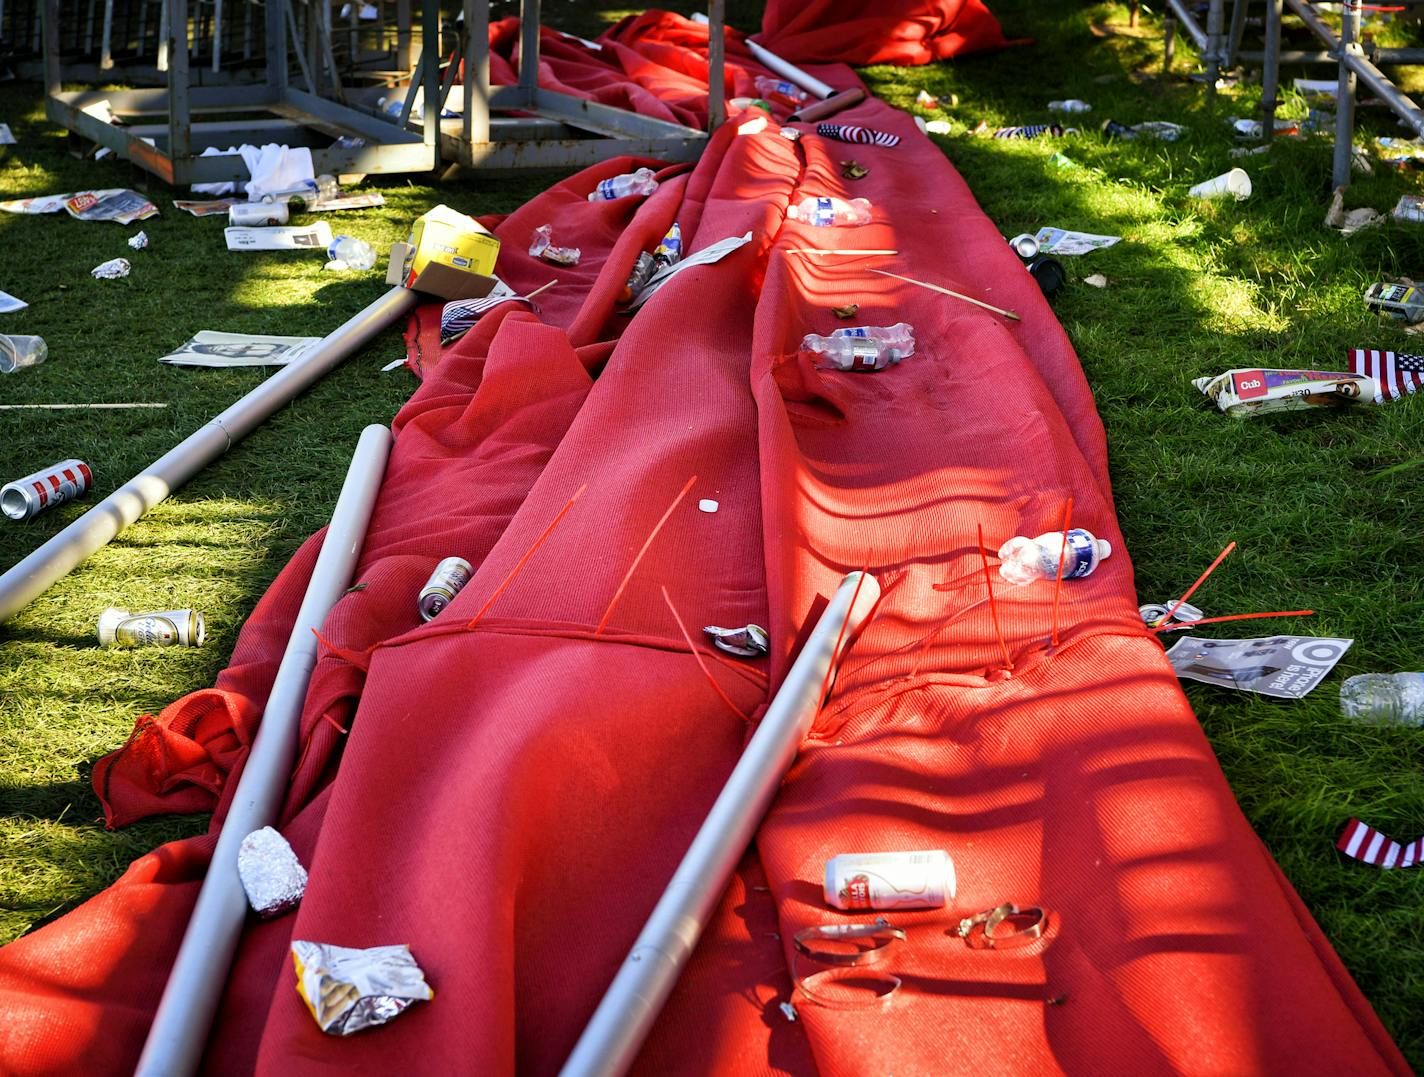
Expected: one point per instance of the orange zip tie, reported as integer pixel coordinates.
(993, 606)
(527, 554)
(326, 717)
(743, 715)
(1192, 589)
(836, 650)
(925, 644)
(360, 659)
(634, 566)
(1062, 556)
(1233, 617)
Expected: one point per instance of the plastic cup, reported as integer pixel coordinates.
(1235, 183)
(19, 352)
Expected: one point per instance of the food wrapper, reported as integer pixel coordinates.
(748, 642)
(1246, 393)
(270, 872)
(348, 990)
(139, 242)
(113, 269)
(542, 246)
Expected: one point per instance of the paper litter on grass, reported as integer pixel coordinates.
(113, 204)
(9, 303)
(1286, 667)
(1066, 243)
(213, 349)
(6, 138)
(348, 201)
(295, 238)
(207, 207)
(1243, 393)
(714, 253)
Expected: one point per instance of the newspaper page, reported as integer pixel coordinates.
(1286, 667)
(1065, 243)
(212, 349)
(292, 238)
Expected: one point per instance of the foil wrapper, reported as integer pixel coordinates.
(749, 642)
(270, 872)
(348, 990)
(112, 269)
(139, 242)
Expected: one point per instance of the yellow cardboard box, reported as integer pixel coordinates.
(446, 237)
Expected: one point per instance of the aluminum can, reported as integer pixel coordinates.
(902, 880)
(162, 628)
(55, 485)
(445, 583)
(248, 214)
(1151, 612)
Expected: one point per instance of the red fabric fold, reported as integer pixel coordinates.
(906, 32)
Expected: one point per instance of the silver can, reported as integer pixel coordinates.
(445, 583)
(55, 485)
(162, 628)
(248, 214)
(908, 880)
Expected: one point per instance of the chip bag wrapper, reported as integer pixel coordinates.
(348, 990)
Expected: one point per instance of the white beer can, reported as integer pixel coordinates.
(902, 880)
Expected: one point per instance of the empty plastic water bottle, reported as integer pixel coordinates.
(863, 347)
(351, 252)
(774, 88)
(1396, 698)
(1071, 105)
(639, 182)
(1028, 559)
(828, 212)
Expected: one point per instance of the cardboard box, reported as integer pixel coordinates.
(447, 255)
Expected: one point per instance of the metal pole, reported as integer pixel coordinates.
(716, 65)
(1345, 94)
(68, 549)
(784, 68)
(1271, 70)
(1214, 48)
(1238, 28)
(1188, 23)
(106, 39)
(180, 125)
(195, 985)
(529, 50)
(1169, 41)
(477, 76)
(611, 1040)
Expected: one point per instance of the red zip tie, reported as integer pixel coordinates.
(326, 717)
(1062, 556)
(743, 715)
(993, 606)
(836, 650)
(1233, 617)
(925, 644)
(527, 554)
(634, 566)
(1191, 590)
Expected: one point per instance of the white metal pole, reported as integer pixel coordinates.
(185, 1014)
(611, 1040)
(32, 575)
(784, 68)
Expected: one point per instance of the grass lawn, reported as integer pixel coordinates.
(1325, 506)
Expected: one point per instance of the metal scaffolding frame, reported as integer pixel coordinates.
(504, 128)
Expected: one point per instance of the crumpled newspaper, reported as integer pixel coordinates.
(348, 990)
(1351, 221)
(113, 269)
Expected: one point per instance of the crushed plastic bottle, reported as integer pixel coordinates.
(863, 347)
(831, 212)
(351, 253)
(541, 245)
(780, 89)
(1384, 698)
(1025, 559)
(639, 182)
(1071, 105)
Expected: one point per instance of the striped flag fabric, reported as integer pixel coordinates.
(1396, 374)
(1366, 843)
(460, 315)
(849, 132)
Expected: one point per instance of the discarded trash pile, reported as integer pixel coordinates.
(1004, 845)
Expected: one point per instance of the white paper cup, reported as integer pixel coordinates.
(16, 353)
(1235, 183)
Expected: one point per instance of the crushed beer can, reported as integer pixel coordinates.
(449, 577)
(749, 642)
(163, 628)
(271, 875)
(1155, 613)
(348, 989)
(55, 485)
(900, 880)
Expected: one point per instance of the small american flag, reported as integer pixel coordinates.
(1395, 373)
(1368, 844)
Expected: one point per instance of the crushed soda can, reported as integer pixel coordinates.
(139, 242)
(749, 642)
(854, 170)
(637, 280)
(55, 485)
(900, 880)
(348, 989)
(164, 628)
(270, 872)
(257, 214)
(668, 252)
(542, 246)
(448, 579)
(1155, 613)
(113, 269)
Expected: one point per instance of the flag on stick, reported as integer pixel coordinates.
(1395, 373)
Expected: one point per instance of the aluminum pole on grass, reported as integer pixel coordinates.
(611, 1040)
(787, 70)
(31, 576)
(185, 1013)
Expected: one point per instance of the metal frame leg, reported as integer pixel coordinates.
(716, 65)
(180, 128)
(1345, 95)
(1215, 19)
(1238, 28)
(1271, 69)
(477, 73)
(1169, 44)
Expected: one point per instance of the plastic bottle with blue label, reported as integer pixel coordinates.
(352, 253)
(639, 182)
(1384, 698)
(831, 212)
(863, 347)
(1025, 559)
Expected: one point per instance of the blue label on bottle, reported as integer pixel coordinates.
(825, 213)
(1079, 554)
(605, 190)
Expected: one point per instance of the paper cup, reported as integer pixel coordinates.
(17, 353)
(1235, 183)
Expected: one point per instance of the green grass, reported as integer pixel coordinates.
(1325, 507)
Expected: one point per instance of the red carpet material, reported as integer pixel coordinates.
(906, 32)
(517, 783)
